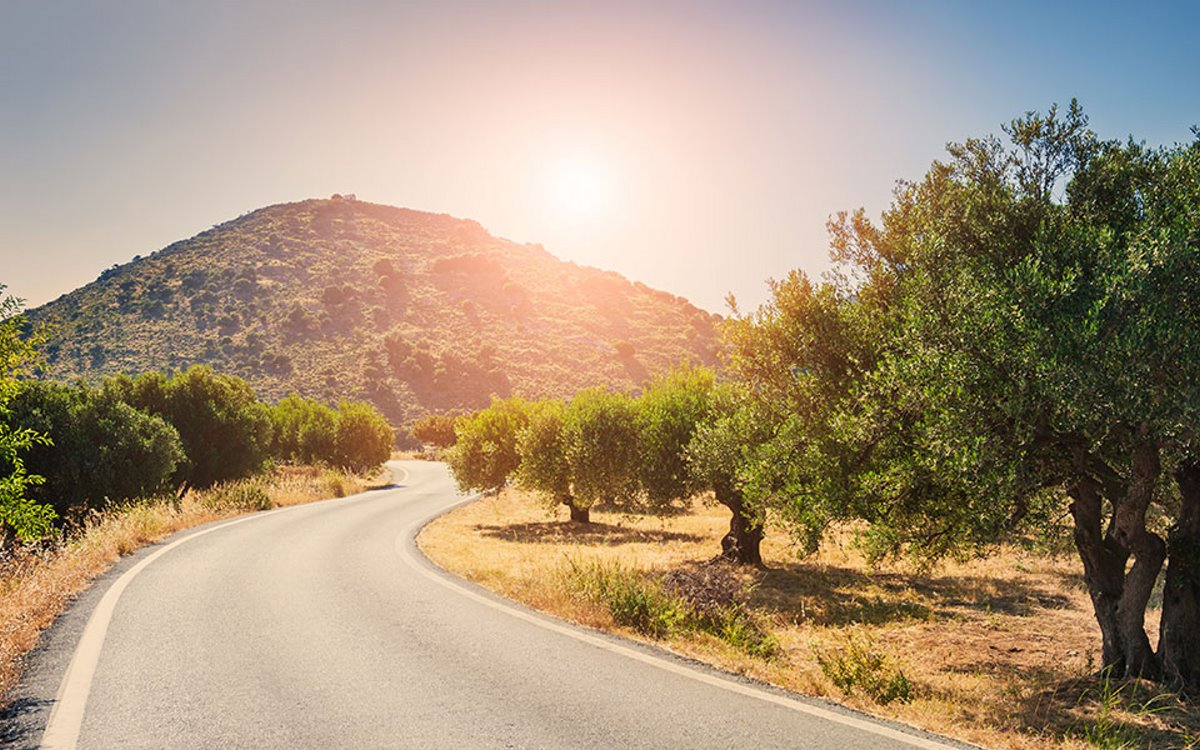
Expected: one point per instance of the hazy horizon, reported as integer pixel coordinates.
(695, 147)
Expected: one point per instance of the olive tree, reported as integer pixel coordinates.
(485, 455)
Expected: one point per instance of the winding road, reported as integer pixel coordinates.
(323, 626)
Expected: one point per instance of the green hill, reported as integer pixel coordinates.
(341, 298)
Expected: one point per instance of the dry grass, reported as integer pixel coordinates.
(36, 584)
(1000, 652)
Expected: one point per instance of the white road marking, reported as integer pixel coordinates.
(66, 718)
(402, 549)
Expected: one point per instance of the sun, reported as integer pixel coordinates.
(579, 188)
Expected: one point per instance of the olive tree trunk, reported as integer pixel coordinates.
(578, 515)
(1179, 630)
(1119, 598)
(743, 543)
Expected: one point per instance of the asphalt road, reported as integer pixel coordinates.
(322, 626)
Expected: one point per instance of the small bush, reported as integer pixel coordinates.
(857, 666)
(654, 606)
(632, 599)
(243, 495)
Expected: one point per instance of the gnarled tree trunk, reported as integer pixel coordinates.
(1119, 598)
(1149, 551)
(743, 542)
(578, 515)
(1179, 630)
(1103, 569)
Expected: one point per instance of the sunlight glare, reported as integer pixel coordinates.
(579, 189)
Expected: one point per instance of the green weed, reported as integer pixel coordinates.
(856, 666)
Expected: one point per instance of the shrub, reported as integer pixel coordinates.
(364, 437)
(857, 666)
(103, 450)
(631, 598)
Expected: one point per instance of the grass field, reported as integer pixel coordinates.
(36, 584)
(1001, 652)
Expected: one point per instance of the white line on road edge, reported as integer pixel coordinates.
(402, 549)
(66, 718)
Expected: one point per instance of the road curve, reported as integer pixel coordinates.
(322, 626)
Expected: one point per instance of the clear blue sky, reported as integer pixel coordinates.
(697, 147)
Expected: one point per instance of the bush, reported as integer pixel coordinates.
(364, 437)
(436, 429)
(226, 431)
(857, 666)
(103, 450)
(631, 598)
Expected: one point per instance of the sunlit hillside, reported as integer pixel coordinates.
(341, 298)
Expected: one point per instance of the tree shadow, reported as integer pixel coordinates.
(598, 534)
(833, 595)
(19, 722)
(1116, 713)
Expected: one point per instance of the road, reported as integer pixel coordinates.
(323, 626)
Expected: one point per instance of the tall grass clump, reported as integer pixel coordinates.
(856, 666)
(670, 605)
(242, 495)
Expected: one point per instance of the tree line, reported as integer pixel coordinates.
(1014, 345)
(66, 449)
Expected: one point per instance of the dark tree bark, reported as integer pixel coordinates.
(578, 515)
(1119, 598)
(743, 543)
(1103, 569)
(1149, 552)
(1179, 630)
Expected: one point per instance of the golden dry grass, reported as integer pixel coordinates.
(1001, 652)
(38, 583)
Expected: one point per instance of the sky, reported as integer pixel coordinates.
(698, 147)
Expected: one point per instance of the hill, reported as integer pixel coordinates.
(341, 298)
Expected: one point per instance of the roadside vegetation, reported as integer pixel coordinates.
(92, 472)
(1006, 361)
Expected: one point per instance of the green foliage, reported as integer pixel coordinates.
(632, 599)
(541, 446)
(485, 454)
(19, 514)
(661, 608)
(435, 429)
(364, 437)
(102, 451)
(600, 434)
(856, 666)
(226, 431)
(1116, 699)
(668, 413)
(303, 431)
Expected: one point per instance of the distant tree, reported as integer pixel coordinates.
(103, 450)
(364, 437)
(485, 455)
(20, 516)
(601, 437)
(544, 466)
(435, 429)
(304, 431)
